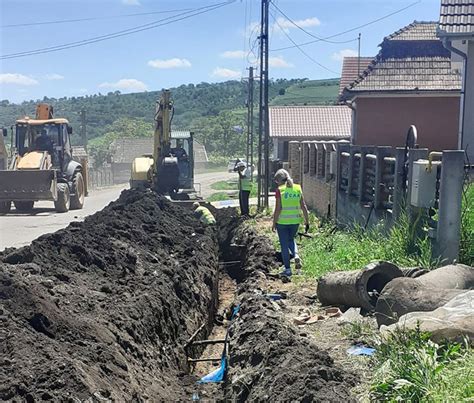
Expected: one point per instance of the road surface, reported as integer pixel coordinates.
(19, 229)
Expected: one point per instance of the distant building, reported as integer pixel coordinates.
(352, 68)
(456, 29)
(410, 82)
(125, 150)
(301, 123)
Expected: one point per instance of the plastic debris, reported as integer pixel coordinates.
(360, 350)
(217, 375)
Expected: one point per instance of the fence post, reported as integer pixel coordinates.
(380, 153)
(449, 214)
(398, 194)
(364, 150)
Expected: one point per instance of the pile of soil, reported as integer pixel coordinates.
(102, 308)
(269, 358)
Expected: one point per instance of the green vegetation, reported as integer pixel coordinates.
(214, 112)
(466, 250)
(314, 92)
(231, 186)
(335, 249)
(410, 367)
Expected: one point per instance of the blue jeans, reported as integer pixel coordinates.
(286, 235)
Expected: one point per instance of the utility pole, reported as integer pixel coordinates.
(358, 60)
(250, 120)
(83, 129)
(264, 138)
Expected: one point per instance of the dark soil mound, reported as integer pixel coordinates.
(102, 308)
(270, 361)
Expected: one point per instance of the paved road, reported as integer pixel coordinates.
(18, 229)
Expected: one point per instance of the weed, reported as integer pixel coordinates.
(411, 367)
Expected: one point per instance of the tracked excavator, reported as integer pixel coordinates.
(170, 169)
(41, 166)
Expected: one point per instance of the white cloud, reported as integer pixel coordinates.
(131, 2)
(278, 61)
(125, 84)
(82, 90)
(54, 76)
(282, 25)
(233, 54)
(306, 23)
(174, 63)
(15, 78)
(339, 56)
(225, 73)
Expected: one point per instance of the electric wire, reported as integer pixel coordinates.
(27, 24)
(307, 32)
(349, 30)
(155, 24)
(303, 52)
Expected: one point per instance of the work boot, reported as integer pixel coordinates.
(298, 264)
(286, 273)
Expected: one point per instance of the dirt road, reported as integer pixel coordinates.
(17, 229)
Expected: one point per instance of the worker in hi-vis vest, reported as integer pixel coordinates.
(203, 214)
(245, 186)
(287, 218)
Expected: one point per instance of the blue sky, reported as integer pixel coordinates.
(210, 47)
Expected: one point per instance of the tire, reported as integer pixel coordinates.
(77, 199)
(24, 205)
(64, 200)
(5, 207)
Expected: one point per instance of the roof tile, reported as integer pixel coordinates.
(312, 122)
(456, 18)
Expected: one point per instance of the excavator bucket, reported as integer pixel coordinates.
(28, 185)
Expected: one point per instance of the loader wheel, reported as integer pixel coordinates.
(62, 204)
(77, 200)
(24, 206)
(5, 207)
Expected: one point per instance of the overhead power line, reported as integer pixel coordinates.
(140, 28)
(28, 24)
(351, 29)
(302, 51)
(307, 32)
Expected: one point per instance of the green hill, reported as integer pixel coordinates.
(310, 92)
(212, 111)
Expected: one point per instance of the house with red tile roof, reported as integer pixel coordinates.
(352, 68)
(304, 123)
(456, 30)
(409, 82)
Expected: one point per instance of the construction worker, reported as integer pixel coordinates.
(203, 214)
(245, 187)
(287, 218)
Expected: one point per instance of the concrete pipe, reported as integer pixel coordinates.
(404, 295)
(425, 293)
(359, 288)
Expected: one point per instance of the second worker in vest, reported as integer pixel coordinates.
(245, 186)
(290, 210)
(203, 214)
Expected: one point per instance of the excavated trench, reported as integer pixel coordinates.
(105, 310)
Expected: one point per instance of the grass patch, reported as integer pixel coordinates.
(220, 196)
(228, 185)
(225, 185)
(335, 249)
(410, 367)
(466, 249)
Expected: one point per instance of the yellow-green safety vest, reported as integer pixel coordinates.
(206, 216)
(245, 184)
(290, 204)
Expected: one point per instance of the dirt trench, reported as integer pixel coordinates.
(102, 311)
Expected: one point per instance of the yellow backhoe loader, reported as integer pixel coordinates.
(170, 169)
(41, 166)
